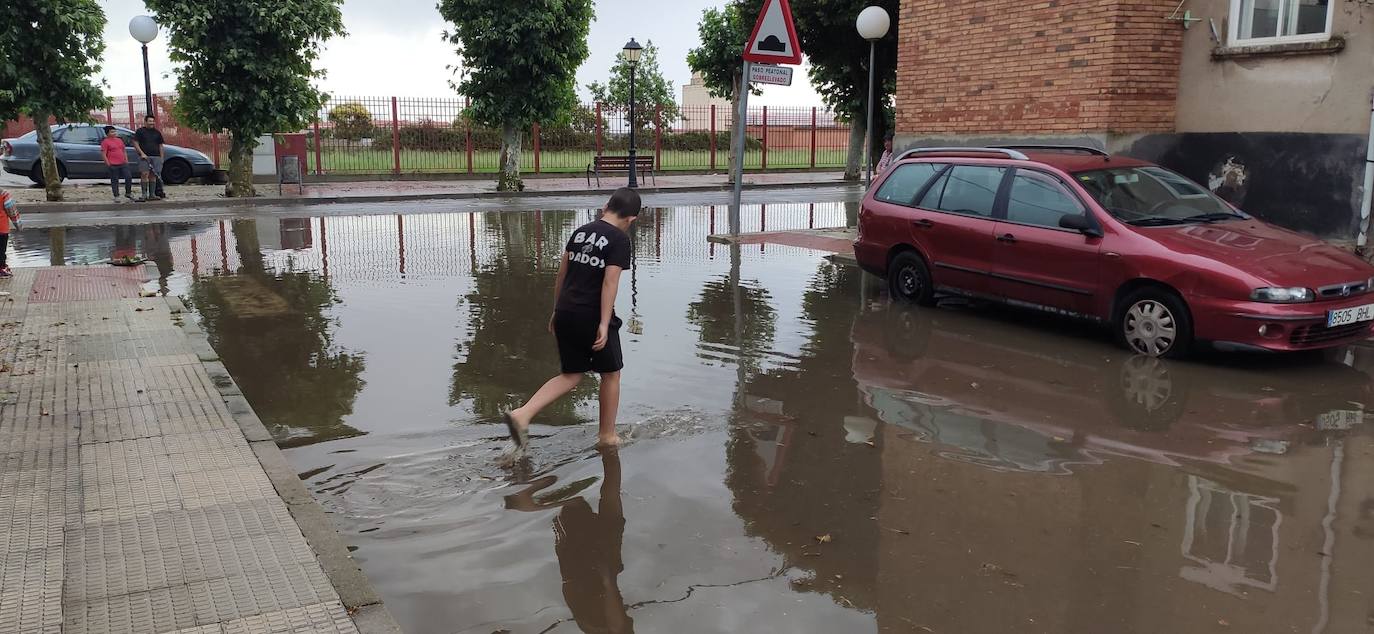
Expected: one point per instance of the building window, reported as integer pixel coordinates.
(1279, 21)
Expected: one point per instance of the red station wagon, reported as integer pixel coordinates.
(1112, 239)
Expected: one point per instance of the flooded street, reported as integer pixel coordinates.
(800, 455)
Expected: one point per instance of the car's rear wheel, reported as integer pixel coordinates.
(36, 172)
(176, 172)
(1155, 322)
(908, 279)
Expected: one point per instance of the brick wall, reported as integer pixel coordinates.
(1038, 67)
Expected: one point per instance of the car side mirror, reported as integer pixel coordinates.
(1081, 224)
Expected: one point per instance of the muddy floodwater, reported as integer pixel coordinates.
(800, 456)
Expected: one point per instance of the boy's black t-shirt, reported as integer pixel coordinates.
(149, 140)
(591, 248)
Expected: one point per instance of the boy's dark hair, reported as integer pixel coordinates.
(147, 117)
(624, 203)
(888, 137)
(109, 129)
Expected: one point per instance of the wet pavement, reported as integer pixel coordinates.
(801, 455)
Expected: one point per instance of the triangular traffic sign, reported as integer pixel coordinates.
(774, 40)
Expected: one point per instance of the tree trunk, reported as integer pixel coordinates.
(52, 181)
(240, 168)
(853, 164)
(511, 139)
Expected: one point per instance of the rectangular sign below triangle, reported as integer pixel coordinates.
(774, 40)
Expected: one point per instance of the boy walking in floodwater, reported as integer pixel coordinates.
(584, 321)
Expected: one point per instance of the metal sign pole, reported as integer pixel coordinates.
(742, 123)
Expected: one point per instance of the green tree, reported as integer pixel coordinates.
(720, 57)
(652, 90)
(839, 67)
(48, 52)
(247, 67)
(519, 66)
(352, 121)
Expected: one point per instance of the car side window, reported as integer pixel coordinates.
(82, 136)
(970, 190)
(1040, 199)
(902, 185)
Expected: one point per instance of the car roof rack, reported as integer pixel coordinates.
(1007, 152)
(1057, 148)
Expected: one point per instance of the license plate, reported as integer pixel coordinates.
(1340, 419)
(1350, 315)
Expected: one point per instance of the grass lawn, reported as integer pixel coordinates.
(380, 161)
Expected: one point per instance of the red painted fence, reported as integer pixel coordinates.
(432, 135)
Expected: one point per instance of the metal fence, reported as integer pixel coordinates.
(407, 135)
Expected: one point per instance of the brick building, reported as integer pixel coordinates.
(1266, 101)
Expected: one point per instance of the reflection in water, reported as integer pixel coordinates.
(508, 354)
(272, 329)
(588, 545)
(806, 458)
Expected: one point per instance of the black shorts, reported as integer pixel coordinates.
(576, 333)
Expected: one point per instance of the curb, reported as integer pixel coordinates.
(39, 208)
(363, 603)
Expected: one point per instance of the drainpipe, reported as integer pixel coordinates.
(1363, 239)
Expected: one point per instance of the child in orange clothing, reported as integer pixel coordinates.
(11, 215)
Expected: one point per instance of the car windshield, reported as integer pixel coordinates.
(1148, 196)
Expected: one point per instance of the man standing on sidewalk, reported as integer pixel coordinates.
(112, 152)
(148, 142)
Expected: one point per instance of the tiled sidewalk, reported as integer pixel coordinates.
(131, 500)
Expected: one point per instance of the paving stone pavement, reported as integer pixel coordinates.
(130, 499)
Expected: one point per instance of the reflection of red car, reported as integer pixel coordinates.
(1112, 239)
(1003, 398)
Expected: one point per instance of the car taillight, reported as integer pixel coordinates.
(6, 149)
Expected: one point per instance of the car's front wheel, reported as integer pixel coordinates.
(176, 172)
(908, 279)
(1155, 322)
(36, 172)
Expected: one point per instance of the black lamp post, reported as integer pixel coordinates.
(632, 51)
(144, 29)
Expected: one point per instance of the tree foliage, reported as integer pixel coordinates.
(49, 50)
(247, 66)
(839, 62)
(518, 65)
(652, 90)
(720, 56)
(351, 121)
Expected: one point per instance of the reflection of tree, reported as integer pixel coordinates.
(272, 333)
(714, 316)
(509, 352)
(792, 474)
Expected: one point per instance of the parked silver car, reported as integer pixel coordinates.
(77, 146)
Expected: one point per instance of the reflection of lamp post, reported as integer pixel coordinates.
(632, 51)
(873, 24)
(144, 29)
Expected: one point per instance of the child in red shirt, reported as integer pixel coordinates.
(113, 151)
(11, 214)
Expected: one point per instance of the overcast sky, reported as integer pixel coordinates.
(393, 47)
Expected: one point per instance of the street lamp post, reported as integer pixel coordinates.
(632, 51)
(144, 29)
(873, 24)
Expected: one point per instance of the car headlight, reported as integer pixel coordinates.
(1283, 295)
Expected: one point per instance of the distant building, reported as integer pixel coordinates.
(696, 107)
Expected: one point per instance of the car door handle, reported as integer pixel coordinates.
(1006, 237)
(923, 223)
